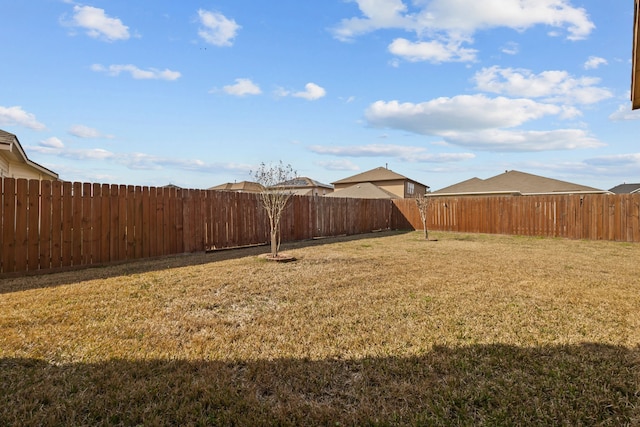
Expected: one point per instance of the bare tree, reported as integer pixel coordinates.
(424, 202)
(274, 198)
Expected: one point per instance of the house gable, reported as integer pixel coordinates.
(14, 162)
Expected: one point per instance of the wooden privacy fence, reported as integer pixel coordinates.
(49, 225)
(588, 216)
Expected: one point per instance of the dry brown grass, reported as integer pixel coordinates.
(383, 330)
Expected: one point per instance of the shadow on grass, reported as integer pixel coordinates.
(22, 282)
(589, 384)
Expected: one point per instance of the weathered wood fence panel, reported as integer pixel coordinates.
(590, 216)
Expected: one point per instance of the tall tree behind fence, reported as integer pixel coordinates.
(49, 225)
(588, 216)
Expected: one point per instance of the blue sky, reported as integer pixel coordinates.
(198, 93)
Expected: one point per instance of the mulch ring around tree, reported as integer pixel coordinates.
(281, 257)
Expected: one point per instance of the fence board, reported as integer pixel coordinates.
(145, 222)
(161, 230)
(154, 230)
(9, 230)
(105, 227)
(87, 225)
(122, 222)
(138, 219)
(179, 222)
(22, 206)
(56, 224)
(45, 241)
(33, 228)
(96, 223)
(77, 224)
(172, 244)
(130, 227)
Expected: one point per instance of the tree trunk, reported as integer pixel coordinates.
(426, 232)
(274, 242)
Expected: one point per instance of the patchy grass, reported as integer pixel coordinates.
(383, 330)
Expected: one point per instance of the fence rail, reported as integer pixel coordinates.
(52, 225)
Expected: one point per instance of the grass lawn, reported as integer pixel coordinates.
(382, 329)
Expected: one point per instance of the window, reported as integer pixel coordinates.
(410, 188)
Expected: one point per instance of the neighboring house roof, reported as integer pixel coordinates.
(515, 182)
(364, 190)
(10, 146)
(303, 182)
(375, 175)
(304, 186)
(626, 189)
(242, 186)
(172, 186)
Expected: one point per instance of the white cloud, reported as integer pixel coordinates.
(551, 86)
(405, 153)
(217, 29)
(461, 113)
(137, 73)
(630, 161)
(468, 17)
(511, 48)
(60, 150)
(377, 14)
(594, 62)
(16, 116)
(338, 165)
(242, 87)
(82, 131)
(441, 26)
(432, 51)
(483, 123)
(370, 150)
(524, 141)
(312, 92)
(136, 161)
(98, 24)
(624, 112)
(281, 92)
(52, 142)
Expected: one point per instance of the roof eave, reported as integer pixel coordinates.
(478, 193)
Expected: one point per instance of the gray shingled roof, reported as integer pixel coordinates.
(6, 137)
(516, 182)
(363, 190)
(245, 186)
(626, 189)
(302, 182)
